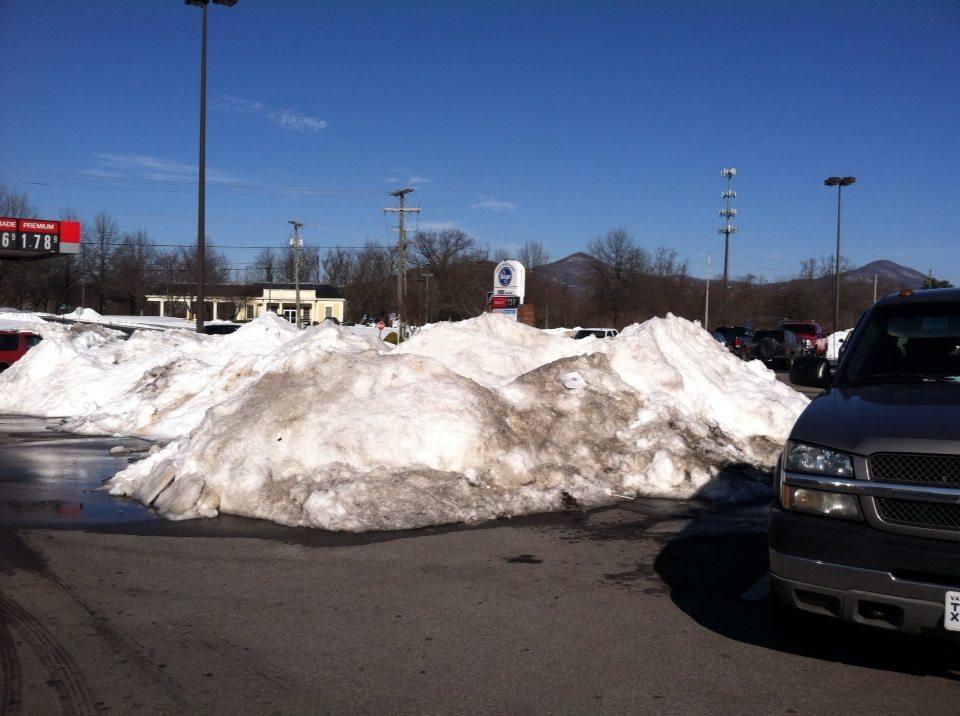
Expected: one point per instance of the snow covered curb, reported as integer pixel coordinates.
(463, 423)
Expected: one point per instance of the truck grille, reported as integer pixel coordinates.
(939, 470)
(933, 515)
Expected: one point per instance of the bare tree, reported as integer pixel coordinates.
(808, 269)
(15, 205)
(309, 263)
(666, 263)
(104, 240)
(338, 267)
(438, 249)
(619, 265)
(265, 267)
(533, 255)
(827, 266)
(133, 263)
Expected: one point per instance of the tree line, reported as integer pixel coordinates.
(617, 281)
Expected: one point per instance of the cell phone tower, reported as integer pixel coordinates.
(726, 213)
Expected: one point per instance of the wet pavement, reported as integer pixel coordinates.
(49, 478)
(647, 606)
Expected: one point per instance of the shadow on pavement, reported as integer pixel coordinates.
(708, 574)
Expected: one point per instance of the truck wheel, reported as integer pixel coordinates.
(767, 349)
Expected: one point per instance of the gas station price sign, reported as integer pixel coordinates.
(28, 239)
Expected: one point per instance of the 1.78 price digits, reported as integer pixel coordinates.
(26, 241)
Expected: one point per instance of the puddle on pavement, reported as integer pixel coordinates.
(51, 478)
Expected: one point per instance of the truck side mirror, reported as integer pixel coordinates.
(811, 372)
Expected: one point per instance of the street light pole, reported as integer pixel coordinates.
(838, 182)
(202, 178)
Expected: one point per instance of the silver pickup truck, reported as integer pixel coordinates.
(867, 522)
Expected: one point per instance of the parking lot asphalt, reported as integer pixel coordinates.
(651, 605)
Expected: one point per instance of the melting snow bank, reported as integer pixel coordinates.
(351, 438)
(464, 422)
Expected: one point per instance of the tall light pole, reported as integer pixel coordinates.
(727, 213)
(201, 193)
(838, 182)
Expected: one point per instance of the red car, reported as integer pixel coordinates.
(808, 331)
(13, 344)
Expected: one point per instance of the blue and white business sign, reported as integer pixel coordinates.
(509, 278)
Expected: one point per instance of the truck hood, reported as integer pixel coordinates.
(921, 418)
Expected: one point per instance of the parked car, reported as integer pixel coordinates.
(777, 348)
(736, 337)
(598, 332)
(220, 328)
(867, 522)
(809, 331)
(13, 344)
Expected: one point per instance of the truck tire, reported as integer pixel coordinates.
(767, 349)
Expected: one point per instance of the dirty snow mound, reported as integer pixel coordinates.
(157, 384)
(367, 440)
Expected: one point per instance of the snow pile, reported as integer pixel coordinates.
(362, 440)
(834, 342)
(88, 315)
(488, 349)
(12, 319)
(83, 314)
(464, 422)
(157, 384)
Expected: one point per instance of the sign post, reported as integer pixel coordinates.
(509, 288)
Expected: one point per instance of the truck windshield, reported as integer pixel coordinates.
(906, 343)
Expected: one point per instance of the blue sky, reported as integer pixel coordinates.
(546, 121)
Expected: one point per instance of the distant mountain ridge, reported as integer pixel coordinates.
(575, 271)
(889, 271)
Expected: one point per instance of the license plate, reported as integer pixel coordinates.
(951, 611)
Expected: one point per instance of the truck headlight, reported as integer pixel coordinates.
(820, 502)
(817, 460)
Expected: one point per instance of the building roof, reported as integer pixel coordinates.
(248, 290)
(321, 290)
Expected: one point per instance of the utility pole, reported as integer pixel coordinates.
(401, 212)
(727, 229)
(296, 242)
(706, 309)
(874, 288)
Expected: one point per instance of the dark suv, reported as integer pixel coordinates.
(867, 525)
